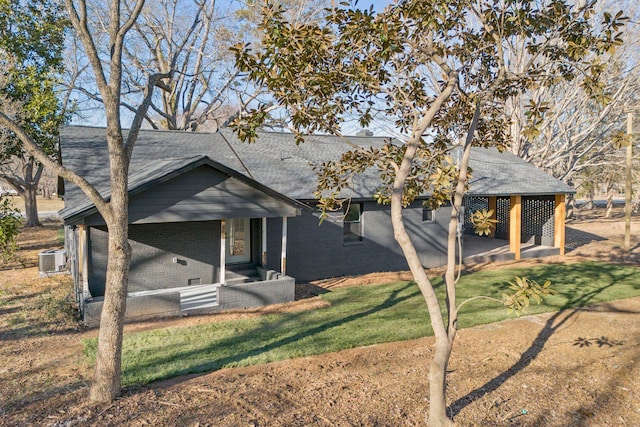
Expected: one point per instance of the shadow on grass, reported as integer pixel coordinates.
(16, 298)
(29, 329)
(266, 329)
(309, 290)
(575, 300)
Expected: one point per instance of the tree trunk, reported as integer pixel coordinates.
(571, 204)
(107, 382)
(609, 198)
(31, 206)
(438, 384)
(438, 367)
(107, 378)
(588, 205)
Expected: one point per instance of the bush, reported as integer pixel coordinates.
(10, 220)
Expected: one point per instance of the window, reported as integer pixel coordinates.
(352, 229)
(428, 215)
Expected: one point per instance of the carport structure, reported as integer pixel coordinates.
(536, 220)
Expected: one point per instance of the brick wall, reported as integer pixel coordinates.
(163, 255)
(317, 251)
(256, 294)
(140, 307)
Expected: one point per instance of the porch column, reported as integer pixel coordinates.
(283, 255)
(264, 242)
(515, 225)
(493, 206)
(84, 258)
(559, 215)
(223, 251)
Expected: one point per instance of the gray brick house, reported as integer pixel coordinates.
(217, 224)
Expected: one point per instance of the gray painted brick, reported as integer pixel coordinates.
(316, 251)
(256, 294)
(138, 307)
(163, 255)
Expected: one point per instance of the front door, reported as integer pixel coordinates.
(238, 241)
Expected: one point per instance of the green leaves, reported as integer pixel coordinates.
(525, 290)
(391, 67)
(10, 221)
(483, 222)
(31, 46)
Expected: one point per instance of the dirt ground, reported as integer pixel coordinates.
(573, 368)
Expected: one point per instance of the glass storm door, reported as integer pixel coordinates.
(238, 241)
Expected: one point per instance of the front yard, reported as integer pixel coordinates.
(357, 355)
(355, 317)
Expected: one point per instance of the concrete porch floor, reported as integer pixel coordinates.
(478, 250)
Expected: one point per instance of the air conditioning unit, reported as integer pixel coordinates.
(52, 262)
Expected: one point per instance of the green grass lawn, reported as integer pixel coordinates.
(357, 316)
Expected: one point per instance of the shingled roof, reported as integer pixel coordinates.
(274, 161)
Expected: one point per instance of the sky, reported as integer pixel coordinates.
(378, 5)
(96, 116)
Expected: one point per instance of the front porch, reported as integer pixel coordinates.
(240, 292)
(237, 261)
(527, 227)
(480, 250)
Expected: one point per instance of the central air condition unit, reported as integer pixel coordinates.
(52, 262)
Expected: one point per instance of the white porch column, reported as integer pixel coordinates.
(223, 251)
(84, 253)
(283, 255)
(264, 242)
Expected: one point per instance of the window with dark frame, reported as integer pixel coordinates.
(428, 215)
(352, 227)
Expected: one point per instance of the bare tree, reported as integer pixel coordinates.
(561, 127)
(108, 75)
(188, 41)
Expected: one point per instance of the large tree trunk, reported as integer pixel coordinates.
(571, 204)
(107, 379)
(106, 383)
(589, 205)
(30, 206)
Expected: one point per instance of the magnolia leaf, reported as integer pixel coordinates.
(483, 222)
(525, 290)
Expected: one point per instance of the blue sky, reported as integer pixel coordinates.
(378, 5)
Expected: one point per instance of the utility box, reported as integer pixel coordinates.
(52, 262)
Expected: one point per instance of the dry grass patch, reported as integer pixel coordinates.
(53, 204)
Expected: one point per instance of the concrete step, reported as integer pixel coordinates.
(241, 274)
